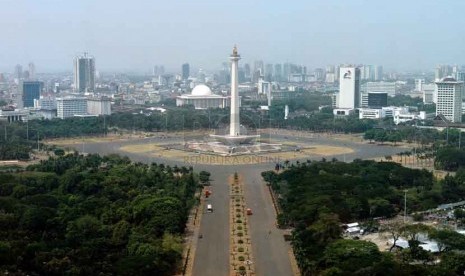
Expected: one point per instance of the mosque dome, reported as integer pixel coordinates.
(201, 90)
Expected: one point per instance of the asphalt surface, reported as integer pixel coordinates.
(270, 251)
(212, 254)
(268, 245)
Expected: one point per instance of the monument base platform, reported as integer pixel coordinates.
(235, 140)
(223, 149)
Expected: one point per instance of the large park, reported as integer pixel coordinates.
(328, 173)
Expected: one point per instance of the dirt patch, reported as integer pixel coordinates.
(380, 239)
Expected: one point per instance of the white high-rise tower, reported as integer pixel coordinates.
(349, 87)
(449, 99)
(234, 127)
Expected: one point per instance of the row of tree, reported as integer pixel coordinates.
(93, 215)
(317, 197)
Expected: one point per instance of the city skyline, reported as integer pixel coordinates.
(398, 35)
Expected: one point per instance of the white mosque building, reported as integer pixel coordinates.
(202, 97)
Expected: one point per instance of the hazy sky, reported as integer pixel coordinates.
(135, 35)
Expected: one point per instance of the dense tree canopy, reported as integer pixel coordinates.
(94, 216)
(317, 197)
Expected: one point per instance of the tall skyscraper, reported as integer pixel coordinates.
(278, 72)
(286, 71)
(247, 72)
(18, 72)
(419, 84)
(349, 88)
(30, 91)
(449, 99)
(84, 73)
(185, 71)
(320, 74)
(258, 70)
(269, 72)
(32, 71)
(461, 77)
(378, 73)
(367, 72)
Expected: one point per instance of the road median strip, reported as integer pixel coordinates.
(241, 258)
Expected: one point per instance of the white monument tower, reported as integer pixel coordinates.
(237, 141)
(235, 135)
(234, 127)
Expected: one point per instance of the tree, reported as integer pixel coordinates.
(394, 231)
(351, 255)
(381, 208)
(412, 231)
(448, 240)
(380, 136)
(204, 177)
(369, 135)
(59, 152)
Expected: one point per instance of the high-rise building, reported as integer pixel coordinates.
(449, 99)
(269, 72)
(461, 77)
(185, 71)
(278, 72)
(69, 107)
(84, 73)
(367, 72)
(419, 84)
(442, 71)
(286, 71)
(247, 72)
(32, 71)
(349, 88)
(259, 66)
(30, 91)
(18, 72)
(320, 74)
(258, 70)
(378, 74)
(380, 86)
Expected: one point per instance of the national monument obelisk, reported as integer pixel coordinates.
(235, 137)
(234, 127)
(237, 141)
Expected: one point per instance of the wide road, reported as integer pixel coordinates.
(270, 251)
(212, 254)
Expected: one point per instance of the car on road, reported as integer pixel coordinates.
(209, 208)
